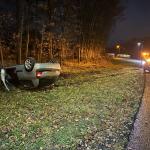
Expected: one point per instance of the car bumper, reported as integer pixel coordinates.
(48, 74)
(40, 70)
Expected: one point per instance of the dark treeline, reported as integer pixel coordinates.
(56, 29)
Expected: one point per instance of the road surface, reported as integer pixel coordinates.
(140, 137)
(134, 61)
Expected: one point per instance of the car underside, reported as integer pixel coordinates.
(30, 74)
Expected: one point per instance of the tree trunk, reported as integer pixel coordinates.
(2, 58)
(41, 48)
(60, 54)
(28, 30)
(20, 21)
(20, 40)
(50, 46)
(27, 43)
(79, 54)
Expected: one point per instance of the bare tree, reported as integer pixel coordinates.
(1, 53)
(20, 28)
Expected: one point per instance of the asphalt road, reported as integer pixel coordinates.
(140, 137)
(134, 61)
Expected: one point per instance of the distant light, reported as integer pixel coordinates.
(144, 53)
(139, 43)
(117, 46)
(143, 62)
(148, 60)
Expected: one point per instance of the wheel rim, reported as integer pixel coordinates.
(28, 64)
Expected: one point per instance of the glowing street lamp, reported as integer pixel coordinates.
(139, 44)
(118, 48)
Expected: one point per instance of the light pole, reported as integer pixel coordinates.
(140, 45)
(118, 48)
(139, 49)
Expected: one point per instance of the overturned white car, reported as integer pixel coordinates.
(31, 73)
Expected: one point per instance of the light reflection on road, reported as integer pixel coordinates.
(135, 61)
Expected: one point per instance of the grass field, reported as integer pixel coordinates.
(92, 109)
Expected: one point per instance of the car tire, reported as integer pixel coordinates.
(29, 64)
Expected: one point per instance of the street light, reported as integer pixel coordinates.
(140, 45)
(118, 48)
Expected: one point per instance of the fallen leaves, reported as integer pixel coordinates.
(91, 110)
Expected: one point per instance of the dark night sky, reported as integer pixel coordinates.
(136, 22)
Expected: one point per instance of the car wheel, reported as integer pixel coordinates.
(29, 64)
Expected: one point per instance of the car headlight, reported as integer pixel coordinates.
(143, 62)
